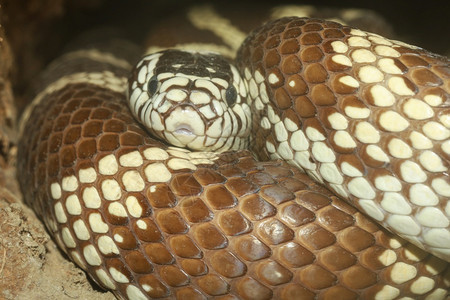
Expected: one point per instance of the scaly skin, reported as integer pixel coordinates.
(363, 115)
(146, 220)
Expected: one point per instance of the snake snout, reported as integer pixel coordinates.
(185, 124)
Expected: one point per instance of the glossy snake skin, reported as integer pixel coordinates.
(374, 123)
(147, 220)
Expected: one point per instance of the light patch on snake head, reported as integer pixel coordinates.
(191, 99)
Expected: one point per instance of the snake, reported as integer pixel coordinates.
(315, 167)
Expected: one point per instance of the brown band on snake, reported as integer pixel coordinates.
(364, 115)
(147, 220)
(227, 228)
(360, 113)
(221, 29)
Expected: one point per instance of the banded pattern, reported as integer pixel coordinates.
(146, 220)
(353, 87)
(222, 30)
(364, 115)
(150, 221)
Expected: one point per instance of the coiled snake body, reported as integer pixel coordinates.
(362, 115)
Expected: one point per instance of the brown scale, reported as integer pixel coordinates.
(236, 229)
(303, 47)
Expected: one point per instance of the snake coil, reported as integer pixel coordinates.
(362, 115)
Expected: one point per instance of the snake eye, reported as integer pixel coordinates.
(231, 95)
(152, 85)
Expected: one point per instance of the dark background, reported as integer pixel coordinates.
(423, 23)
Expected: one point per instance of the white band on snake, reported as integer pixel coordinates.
(365, 117)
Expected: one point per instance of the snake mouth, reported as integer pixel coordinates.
(184, 134)
(182, 137)
(185, 121)
(183, 126)
(184, 130)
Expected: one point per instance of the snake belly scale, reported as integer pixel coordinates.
(147, 220)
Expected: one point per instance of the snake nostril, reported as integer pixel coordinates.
(152, 85)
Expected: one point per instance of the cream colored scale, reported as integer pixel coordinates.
(428, 226)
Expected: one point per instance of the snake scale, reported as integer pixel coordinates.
(337, 113)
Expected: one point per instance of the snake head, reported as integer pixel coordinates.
(190, 99)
